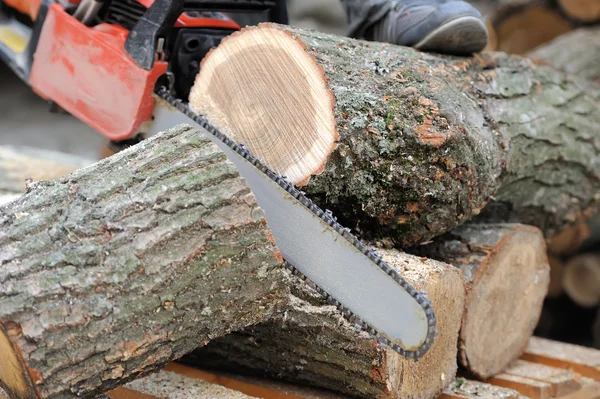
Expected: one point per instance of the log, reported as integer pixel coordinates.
(581, 279)
(312, 344)
(403, 145)
(523, 26)
(587, 11)
(507, 274)
(114, 270)
(576, 53)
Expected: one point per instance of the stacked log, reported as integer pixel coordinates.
(519, 26)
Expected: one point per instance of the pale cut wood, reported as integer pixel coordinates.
(531, 388)
(313, 345)
(405, 145)
(112, 271)
(467, 389)
(581, 359)
(581, 10)
(507, 274)
(561, 381)
(590, 389)
(300, 149)
(581, 279)
(569, 240)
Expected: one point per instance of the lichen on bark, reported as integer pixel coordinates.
(429, 141)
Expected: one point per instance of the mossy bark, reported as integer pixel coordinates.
(312, 344)
(426, 141)
(118, 268)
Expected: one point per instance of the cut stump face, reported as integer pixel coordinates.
(265, 76)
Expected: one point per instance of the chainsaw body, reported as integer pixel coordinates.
(101, 60)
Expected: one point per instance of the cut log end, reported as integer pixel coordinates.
(581, 279)
(14, 377)
(581, 10)
(506, 305)
(304, 134)
(446, 290)
(522, 28)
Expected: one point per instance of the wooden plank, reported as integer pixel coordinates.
(582, 360)
(127, 393)
(467, 389)
(562, 381)
(590, 389)
(171, 385)
(533, 389)
(246, 388)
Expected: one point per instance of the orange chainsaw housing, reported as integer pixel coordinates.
(87, 72)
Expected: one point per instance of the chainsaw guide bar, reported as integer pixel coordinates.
(393, 311)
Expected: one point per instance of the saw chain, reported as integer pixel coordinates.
(327, 217)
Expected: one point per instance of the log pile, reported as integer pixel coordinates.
(519, 26)
(464, 172)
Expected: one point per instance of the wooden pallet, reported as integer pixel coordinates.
(547, 370)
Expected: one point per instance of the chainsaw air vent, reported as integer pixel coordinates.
(125, 13)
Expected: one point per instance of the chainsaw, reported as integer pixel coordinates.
(126, 67)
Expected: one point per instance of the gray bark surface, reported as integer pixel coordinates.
(426, 141)
(576, 53)
(116, 269)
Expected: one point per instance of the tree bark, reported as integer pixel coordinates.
(311, 343)
(112, 271)
(403, 144)
(576, 53)
(507, 274)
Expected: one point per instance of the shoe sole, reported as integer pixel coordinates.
(463, 35)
